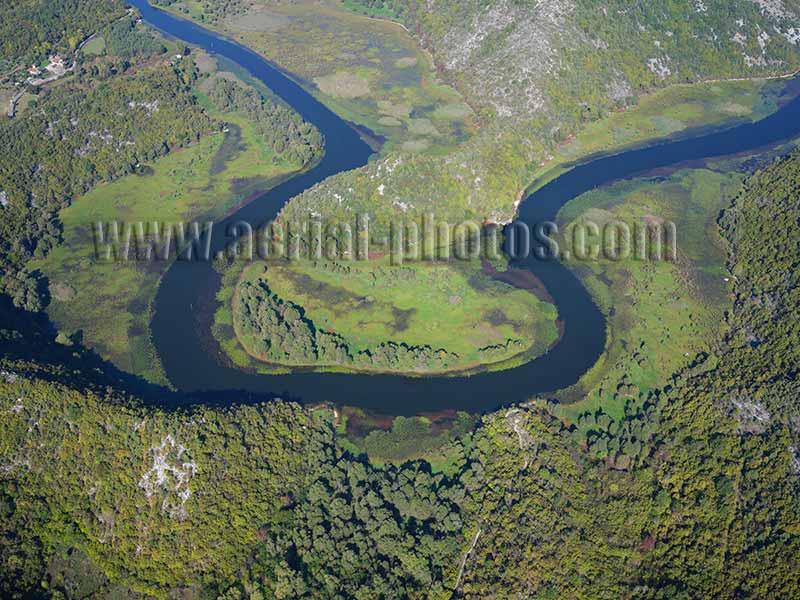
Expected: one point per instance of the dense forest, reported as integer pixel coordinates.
(213, 11)
(692, 493)
(30, 30)
(125, 40)
(278, 126)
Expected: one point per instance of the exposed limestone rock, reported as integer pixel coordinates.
(170, 474)
(660, 67)
(774, 9)
(752, 415)
(515, 74)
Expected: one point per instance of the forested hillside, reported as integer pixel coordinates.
(563, 58)
(699, 498)
(32, 29)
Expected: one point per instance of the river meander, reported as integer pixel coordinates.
(180, 324)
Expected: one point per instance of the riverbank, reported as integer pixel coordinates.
(109, 304)
(583, 338)
(371, 72)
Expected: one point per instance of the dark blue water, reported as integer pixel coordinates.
(193, 369)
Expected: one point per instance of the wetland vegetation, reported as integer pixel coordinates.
(198, 143)
(417, 318)
(371, 72)
(390, 186)
(670, 471)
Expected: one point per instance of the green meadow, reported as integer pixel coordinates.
(108, 304)
(455, 307)
(95, 47)
(661, 315)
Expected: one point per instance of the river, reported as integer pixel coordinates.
(180, 328)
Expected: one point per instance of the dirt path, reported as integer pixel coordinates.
(12, 105)
(465, 557)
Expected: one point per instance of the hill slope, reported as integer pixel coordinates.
(695, 496)
(537, 72)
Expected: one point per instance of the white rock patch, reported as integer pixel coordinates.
(170, 477)
(150, 107)
(18, 407)
(752, 415)
(773, 8)
(9, 376)
(795, 462)
(660, 67)
(792, 35)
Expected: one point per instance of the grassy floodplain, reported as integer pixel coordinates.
(666, 113)
(661, 314)
(109, 304)
(113, 321)
(370, 71)
(457, 308)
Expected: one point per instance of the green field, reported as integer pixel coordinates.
(108, 305)
(661, 315)
(454, 307)
(95, 47)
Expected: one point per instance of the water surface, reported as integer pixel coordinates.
(180, 332)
